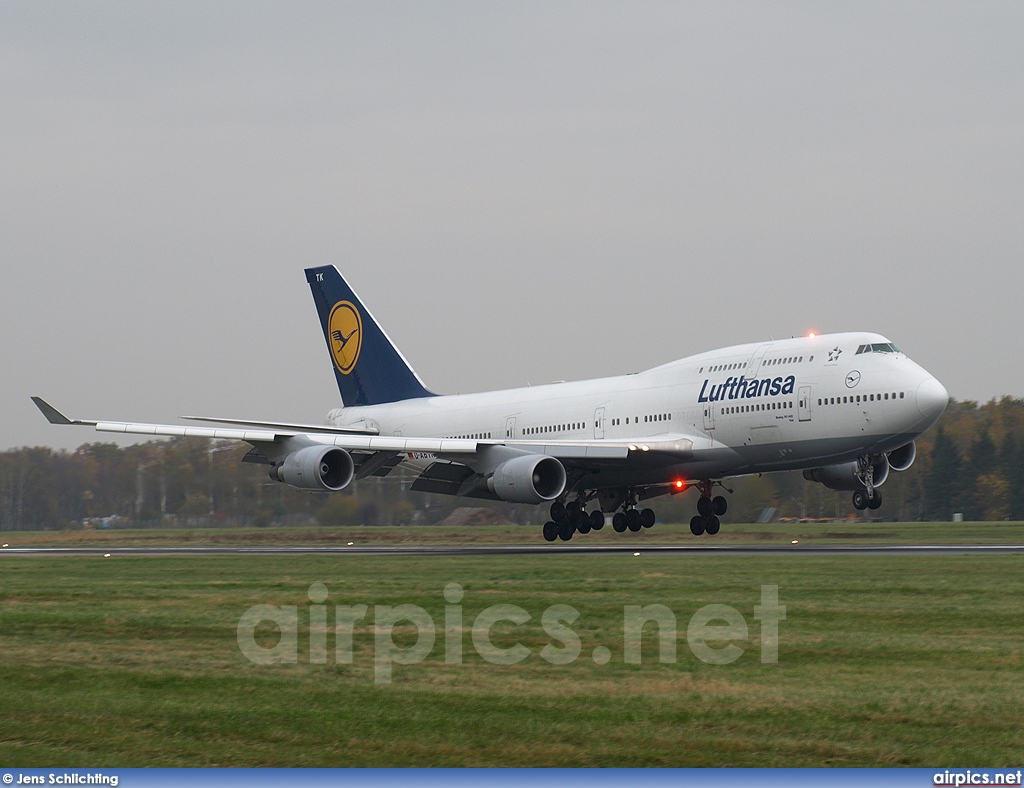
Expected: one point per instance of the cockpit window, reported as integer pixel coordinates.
(878, 347)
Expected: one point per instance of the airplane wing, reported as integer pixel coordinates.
(349, 440)
(452, 461)
(364, 440)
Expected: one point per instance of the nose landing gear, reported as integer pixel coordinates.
(869, 497)
(862, 500)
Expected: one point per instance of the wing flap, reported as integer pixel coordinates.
(445, 478)
(294, 428)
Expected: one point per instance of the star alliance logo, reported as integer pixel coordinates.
(834, 353)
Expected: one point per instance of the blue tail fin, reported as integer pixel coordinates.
(369, 368)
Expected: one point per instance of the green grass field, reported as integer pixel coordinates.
(914, 660)
(662, 533)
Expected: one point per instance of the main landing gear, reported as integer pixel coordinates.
(708, 511)
(633, 520)
(572, 518)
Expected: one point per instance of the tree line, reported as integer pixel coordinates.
(971, 462)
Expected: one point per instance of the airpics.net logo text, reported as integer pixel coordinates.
(712, 632)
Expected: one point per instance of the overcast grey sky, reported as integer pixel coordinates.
(521, 193)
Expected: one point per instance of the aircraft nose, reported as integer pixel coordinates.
(932, 399)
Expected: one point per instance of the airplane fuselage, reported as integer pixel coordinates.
(767, 406)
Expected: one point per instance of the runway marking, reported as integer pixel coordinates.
(545, 549)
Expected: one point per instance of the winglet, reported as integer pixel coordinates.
(53, 415)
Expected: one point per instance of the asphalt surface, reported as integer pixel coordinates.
(537, 549)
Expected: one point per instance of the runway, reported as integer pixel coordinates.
(539, 550)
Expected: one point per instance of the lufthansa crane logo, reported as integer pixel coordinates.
(345, 328)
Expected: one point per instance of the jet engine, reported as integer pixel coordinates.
(320, 468)
(902, 458)
(532, 478)
(844, 476)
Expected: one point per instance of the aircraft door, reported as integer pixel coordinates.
(599, 424)
(804, 403)
(510, 427)
(709, 416)
(755, 361)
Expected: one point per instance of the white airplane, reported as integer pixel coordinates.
(844, 408)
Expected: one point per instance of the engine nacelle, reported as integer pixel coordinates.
(903, 457)
(321, 468)
(532, 478)
(844, 476)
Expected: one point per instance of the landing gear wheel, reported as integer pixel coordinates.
(582, 522)
(619, 522)
(711, 525)
(550, 531)
(565, 530)
(596, 520)
(719, 505)
(633, 520)
(647, 518)
(876, 500)
(704, 507)
(860, 501)
(697, 525)
(558, 511)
